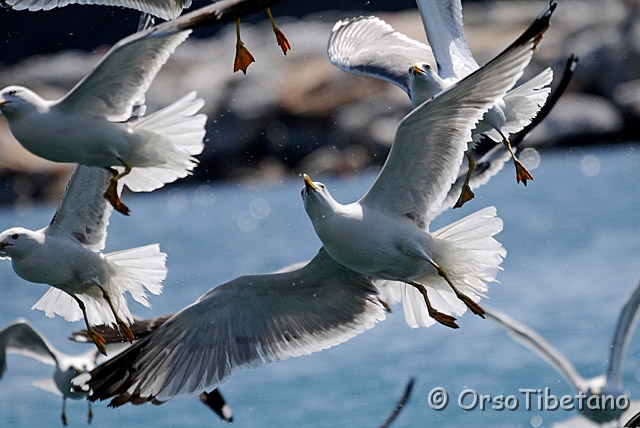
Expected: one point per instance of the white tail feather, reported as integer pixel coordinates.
(471, 257)
(177, 134)
(132, 271)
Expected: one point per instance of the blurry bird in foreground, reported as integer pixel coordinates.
(21, 338)
(607, 384)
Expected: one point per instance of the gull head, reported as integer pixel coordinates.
(17, 99)
(316, 198)
(15, 242)
(63, 380)
(424, 83)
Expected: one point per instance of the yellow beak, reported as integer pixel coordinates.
(310, 185)
(417, 69)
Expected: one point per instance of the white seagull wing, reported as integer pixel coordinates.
(83, 212)
(21, 338)
(430, 141)
(120, 80)
(369, 46)
(532, 340)
(244, 323)
(164, 9)
(624, 329)
(442, 20)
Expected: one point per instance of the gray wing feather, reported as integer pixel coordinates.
(119, 81)
(83, 212)
(244, 323)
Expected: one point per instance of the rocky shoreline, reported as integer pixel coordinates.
(299, 112)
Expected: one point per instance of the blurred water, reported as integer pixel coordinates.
(573, 237)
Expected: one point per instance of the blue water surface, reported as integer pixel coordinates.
(573, 241)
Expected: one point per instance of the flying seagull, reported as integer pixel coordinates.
(87, 125)
(20, 337)
(386, 234)
(66, 254)
(370, 46)
(608, 383)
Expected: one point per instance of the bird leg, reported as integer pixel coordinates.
(63, 416)
(126, 331)
(111, 194)
(90, 414)
(243, 57)
(475, 308)
(93, 334)
(442, 318)
(280, 37)
(466, 194)
(522, 174)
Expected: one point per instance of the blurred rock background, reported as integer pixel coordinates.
(298, 112)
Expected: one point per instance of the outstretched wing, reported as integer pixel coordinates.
(244, 323)
(431, 140)
(124, 74)
(442, 20)
(83, 212)
(369, 46)
(537, 344)
(624, 329)
(165, 9)
(21, 338)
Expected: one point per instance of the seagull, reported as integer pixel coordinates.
(369, 46)
(87, 125)
(20, 337)
(386, 235)
(608, 383)
(66, 254)
(244, 323)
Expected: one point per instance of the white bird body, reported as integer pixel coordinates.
(354, 221)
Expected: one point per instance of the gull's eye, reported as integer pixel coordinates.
(322, 186)
(13, 93)
(15, 236)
